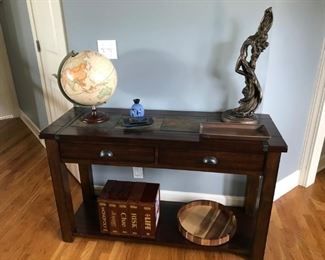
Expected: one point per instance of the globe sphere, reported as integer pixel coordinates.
(87, 78)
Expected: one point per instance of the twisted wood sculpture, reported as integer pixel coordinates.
(246, 64)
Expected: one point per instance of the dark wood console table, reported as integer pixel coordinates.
(171, 142)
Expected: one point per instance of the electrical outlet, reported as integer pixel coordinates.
(107, 48)
(137, 172)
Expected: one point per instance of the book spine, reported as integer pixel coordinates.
(134, 220)
(148, 221)
(103, 216)
(123, 218)
(157, 207)
(113, 218)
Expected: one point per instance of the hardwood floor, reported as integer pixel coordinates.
(29, 227)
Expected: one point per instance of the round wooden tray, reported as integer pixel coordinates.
(206, 223)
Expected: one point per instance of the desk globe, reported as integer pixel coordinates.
(87, 78)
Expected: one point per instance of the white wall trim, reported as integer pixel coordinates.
(282, 187)
(30, 124)
(315, 132)
(7, 117)
(286, 184)
(189, 196)
(182, 196)
(321, 165)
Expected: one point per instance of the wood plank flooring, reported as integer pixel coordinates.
(29, 227)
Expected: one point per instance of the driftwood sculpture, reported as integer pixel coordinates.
(246, 64)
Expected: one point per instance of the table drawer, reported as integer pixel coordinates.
(212, 160)
(107, 152)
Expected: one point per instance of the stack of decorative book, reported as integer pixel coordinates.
(129, 208)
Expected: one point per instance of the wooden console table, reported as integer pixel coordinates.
(171, 142)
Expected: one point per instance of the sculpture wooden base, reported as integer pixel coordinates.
(95, 117)
(230, 117)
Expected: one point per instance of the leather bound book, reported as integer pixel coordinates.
(133, 209)
(112, 208)
(102, 205)
(117, 210)
(113, 218)
(113, 212)
(122, 205)
(149, 210)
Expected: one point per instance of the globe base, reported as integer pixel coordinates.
(95, 117)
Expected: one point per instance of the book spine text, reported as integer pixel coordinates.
(123, 215)
(134, 220)
(113, 218)
(103, 216)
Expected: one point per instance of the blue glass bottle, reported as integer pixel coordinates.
(137, 110)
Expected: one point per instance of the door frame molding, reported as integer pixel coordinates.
(73, 168)
(315, 131)
(38, 55)
(39, 60)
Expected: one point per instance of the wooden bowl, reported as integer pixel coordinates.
(206, 222)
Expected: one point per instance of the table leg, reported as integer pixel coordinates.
(87, 184)
(252, 194)
(265, 205)
(61, 189)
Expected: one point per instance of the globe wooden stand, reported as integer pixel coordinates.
(95, 117)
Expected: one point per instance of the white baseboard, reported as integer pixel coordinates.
(189, 196)
(321, 165)
(282, 187)
(30, 124)
(286, 184)
(182, 196)
(7, 117)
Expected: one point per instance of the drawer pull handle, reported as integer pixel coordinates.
(211, 160)
(106, 154)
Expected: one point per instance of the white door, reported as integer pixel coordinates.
(50, 44)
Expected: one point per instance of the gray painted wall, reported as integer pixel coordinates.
(181, 55)
(176, 55)
(294, 58)
(19, 41)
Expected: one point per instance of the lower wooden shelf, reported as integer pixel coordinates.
(87, 225)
